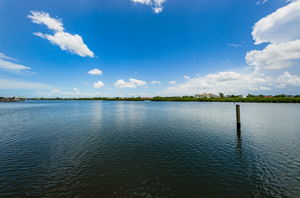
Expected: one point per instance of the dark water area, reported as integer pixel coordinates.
(148, 149)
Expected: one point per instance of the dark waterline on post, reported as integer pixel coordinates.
(238, 120)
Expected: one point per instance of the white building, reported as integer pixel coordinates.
(206, 95)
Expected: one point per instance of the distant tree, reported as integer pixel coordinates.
(280, 96)
(221, 95)
(187, 96)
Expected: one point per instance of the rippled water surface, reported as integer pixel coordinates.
(148, 149)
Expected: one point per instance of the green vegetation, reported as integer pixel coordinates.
(221, 98)
(232, 98)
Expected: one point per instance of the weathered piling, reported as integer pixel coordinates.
(238, 120)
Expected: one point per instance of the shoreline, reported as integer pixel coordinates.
(184, 99)
(12, 99)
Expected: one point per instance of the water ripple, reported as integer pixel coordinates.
(156, 149)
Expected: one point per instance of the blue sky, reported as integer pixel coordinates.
(88, 48)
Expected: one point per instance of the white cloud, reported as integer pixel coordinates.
(132, 83)
(282, 25)
(58, 93)
(233, 83)
(276, 55)
(261, 2)
(155, 4)
(95, 72)
(172, 82)
(66, 41)
(155, 82)
(98, 84)
(16, 84)
(233, 45)
(7, 64)
(158, 9)
(76, 91)
(12, 66)
(186, 77)
(3, 56)
(281, 30)
(286, 79)
(44, 18)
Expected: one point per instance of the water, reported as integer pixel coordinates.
(148, 149)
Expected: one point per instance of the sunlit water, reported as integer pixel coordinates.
(148, 149)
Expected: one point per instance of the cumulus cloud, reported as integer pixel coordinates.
(17, 84)
(276, 55)
(95, 72)
(68, 42)
(98, 84)
(155, 82)
(172, 82)
(155, 4)
(72, 43)
(270, 28)
(233, 83)
(287, 79)
(132, 83)
(7, 64)
(281, 30)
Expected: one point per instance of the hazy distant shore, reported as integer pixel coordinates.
(190, 99)
(11, 99)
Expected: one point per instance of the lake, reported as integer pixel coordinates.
(148, 149)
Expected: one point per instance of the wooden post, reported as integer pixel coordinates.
(238, 120)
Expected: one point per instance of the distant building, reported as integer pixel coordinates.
(147, 98)
(206, 95)
(11, 99)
